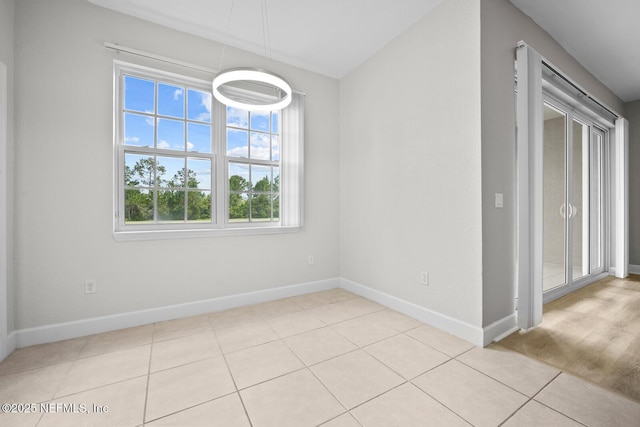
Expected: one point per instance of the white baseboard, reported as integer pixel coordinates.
(62, 331)
(634, 269)
(455, 327)
(500, 329)
(79, 328)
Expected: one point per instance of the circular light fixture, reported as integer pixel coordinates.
(238, 76)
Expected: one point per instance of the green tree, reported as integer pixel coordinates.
(238, 206)
(261, 200)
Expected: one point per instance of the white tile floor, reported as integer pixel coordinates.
(329, 358)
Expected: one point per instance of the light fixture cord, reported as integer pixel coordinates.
(266, 32)
(224, 46)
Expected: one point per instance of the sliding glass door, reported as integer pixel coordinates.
(573, 219)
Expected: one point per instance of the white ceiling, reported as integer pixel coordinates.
(334, 36)
(603, 35)
(330, 37)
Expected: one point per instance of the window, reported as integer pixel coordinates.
(185, 165)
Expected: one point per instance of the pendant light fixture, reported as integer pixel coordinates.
(276, 91)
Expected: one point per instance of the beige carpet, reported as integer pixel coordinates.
(593, 333)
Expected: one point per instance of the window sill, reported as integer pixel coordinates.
(129, 236)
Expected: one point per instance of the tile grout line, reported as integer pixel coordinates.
(440, 403)
(146, 392)
(546, 406)
(235, 385)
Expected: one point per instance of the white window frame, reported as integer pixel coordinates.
(291, 168)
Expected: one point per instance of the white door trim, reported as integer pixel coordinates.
(621, 178)
(529, 162)
(4, 294)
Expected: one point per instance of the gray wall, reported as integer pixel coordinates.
(632, 113)
(502, 26)
(410, 165)
(7, 8)
(64, 169)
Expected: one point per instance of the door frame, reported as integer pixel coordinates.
(535, 74)
(4, 231)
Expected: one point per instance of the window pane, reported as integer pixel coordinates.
(260, 146)
(199, 173)
(261, 178)
(276, 207)
(138, 206)
(139, 170)
(274, 122)
(238, 177)
(238, 207)
(138, 130)
(275, 148)
(261, 207)
(276, 179)
(171, 205)
(199, 206)
(237, 118)
(199, 138)
(170, 100)
(171, 172)
(260, 120)
(171, 134)
(139, 94)
(199, 106)
(237, 143)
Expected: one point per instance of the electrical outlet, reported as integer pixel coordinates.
(310, 260)
(90, 287)
(424, 278)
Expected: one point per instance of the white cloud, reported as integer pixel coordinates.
(163, 144)
(131, 139)
(189, 145)
(261, 153)
(205, 100)
(238, 152)
(177, 94)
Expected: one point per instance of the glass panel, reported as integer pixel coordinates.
(554, 196)
(170, 100)
(261, 207)
(199, 106)
(276, 207)
(138, 130)
(139, 94)
(170, 134)
(596, 201)
(276, 179)
(260, 146)
(170, 172)
(261, 178)
(238, 207)
(171, 205)
(238, 177)
(237, 143)
(579, 201)
(199, 173)
(199, 206)
(274, 122)
(138, 206)
(260, 120)
(237, 118)
(139, 170)
(275, 148)
(198, 138)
